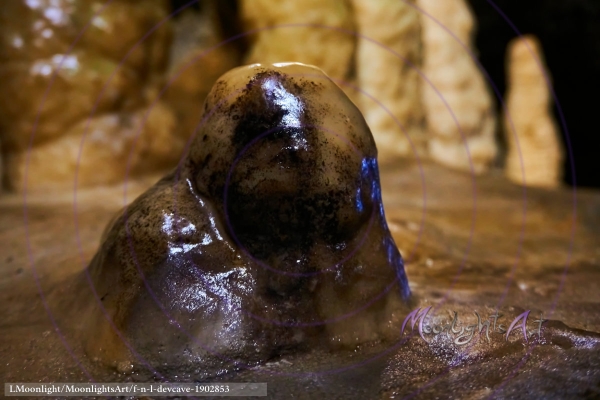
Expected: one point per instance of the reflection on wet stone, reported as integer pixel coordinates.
(200, 277)
(515, 356)
(269, 240)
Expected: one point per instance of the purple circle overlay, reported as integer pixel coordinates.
(234, 38)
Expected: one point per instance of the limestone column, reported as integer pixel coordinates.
(388, 27)
(535, 152)
(468, 137)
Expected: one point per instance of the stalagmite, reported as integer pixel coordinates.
(198, 58)
(462, 136)
(271, 236)
(535, 153)
(317, 32)
(387, 57)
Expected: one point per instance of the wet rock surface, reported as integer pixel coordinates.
(470, 245)
(269, 239)
(544, 276)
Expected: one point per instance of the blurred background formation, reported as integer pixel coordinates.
(98, 92)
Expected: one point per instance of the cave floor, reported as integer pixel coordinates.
(471, 244)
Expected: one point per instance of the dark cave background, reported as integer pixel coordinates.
(569, 31)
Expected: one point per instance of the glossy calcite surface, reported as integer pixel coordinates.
(462, 254)
(270, 237)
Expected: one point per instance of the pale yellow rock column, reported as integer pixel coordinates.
(197, 59)
(320, 43)
(451, 70)
(535, 152)
(388, 27)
